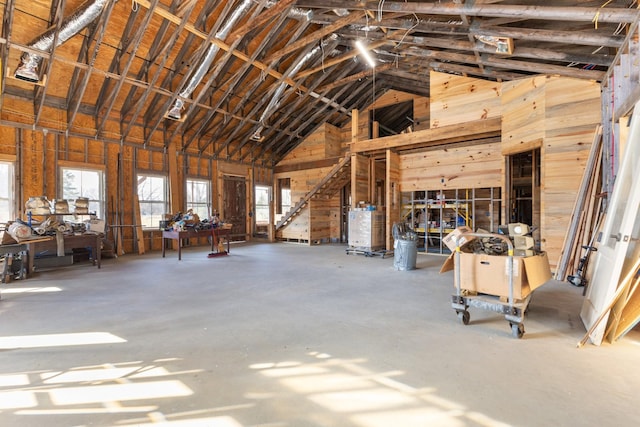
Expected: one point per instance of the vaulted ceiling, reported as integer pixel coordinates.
(247, 80)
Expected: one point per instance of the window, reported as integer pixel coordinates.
(84, 182)
(6, 192)
(284, 195)
(286, 199)
(262, 204)
(199, 197)
(152, 195)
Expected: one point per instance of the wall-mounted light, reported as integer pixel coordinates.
(365, 53)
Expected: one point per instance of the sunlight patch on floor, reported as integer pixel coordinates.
(367, 398)
(57, 340)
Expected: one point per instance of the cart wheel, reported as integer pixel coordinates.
(464, 317)
(517, 330)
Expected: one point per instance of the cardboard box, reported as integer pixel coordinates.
(96, 225)
(488, 274)
(458, 233)
(523, 242)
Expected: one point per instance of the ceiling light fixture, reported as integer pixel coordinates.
(365, 53)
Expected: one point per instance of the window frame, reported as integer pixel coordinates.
(101, 201)
(284, 187)
(164, 203)
(191, 204)
(11, 189)
(263, 206)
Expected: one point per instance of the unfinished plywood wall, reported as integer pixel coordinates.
(39, 155)
(456, 99)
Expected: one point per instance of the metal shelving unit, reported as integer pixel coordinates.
(435, 213)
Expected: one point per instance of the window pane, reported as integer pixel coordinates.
(262, 215)
(262, 204)
(6, 192)
(84, 183)
(152, 198)
(286, 199)
(198, 197)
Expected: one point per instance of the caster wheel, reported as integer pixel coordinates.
(517, 330)
(464, 317)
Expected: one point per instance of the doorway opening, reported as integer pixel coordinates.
(524, 189)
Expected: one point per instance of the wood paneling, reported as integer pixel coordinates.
(392, 196)
(390, 97)
(523, 117)
(359, 179)
(319, 220)
(456, 99)
(571, 115)
(324, 143)
(421, 113)
(463, 167)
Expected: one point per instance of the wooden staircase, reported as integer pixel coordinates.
(337, 178)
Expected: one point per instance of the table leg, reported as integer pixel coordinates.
(98, 250)
(30, 257)
(179, 249)
(164, 243)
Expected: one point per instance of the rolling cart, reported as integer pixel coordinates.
(513, 311)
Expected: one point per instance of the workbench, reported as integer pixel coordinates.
(62, 244)
(214, 233)
(10, 252)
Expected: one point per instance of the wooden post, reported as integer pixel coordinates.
(175, 190)
(392, 197)
(354, 140)
(139, 233)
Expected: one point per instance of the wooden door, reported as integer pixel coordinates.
(618, 248)
(235, 205)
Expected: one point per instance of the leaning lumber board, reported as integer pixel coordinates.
(622, 288)
(616, 326)
(139, 232)
(579, 205)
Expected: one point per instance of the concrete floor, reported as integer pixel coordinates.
(286, 335)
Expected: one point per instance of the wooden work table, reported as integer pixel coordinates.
(214, 233)
(62, 244)
(10, 251)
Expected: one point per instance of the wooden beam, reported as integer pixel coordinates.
(264, 17)
(352, 78)
(551, 13)
(221, 44)
(315, 36)
(345, 57)
(445, 134)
